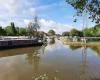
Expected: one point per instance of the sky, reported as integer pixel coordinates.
(53, 14)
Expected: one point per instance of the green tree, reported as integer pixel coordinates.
(14, 31)
(92, 32)
(11, 30)
(75, 32)
(97, 30)
(2, 32)
(51, 32)
(89, 6)
(17, 29)
(8, 29)
(88, 32)
(22, 31)
(65, 34)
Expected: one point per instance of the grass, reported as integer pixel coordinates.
(81, 43)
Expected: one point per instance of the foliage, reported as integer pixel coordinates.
(14, 31)
(9, 31)
(93, 31)
(22, 31)
(51, 32)
(2, 31)
(19, 31)
(33, 27)
(75, 32)
(88, 32)
(92, 7)
(97, 30)
(65, 34)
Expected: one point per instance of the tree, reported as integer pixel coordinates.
(33, 27)
(8, 29)
(89, 6)
(2, 32)
(65, 34)
(51, 32)
(75, 32)
(97, 30)
(17, 29)
(11, 30)
(14, 31)
(22, 31)
(92, 32)
(88, 32)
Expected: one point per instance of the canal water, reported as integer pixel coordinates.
(55, 60)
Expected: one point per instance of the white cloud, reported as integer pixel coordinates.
(46, 25)
(26, 21)
(58, 27)
(20, 12)
(16, 10)
(11, 8)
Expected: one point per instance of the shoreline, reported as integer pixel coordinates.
(80, 43)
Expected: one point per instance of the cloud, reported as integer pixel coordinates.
(21, 13)
(46, 25)
(17, 8)
(8, 6)
(22, 8)
(44, 7)
(58, 27)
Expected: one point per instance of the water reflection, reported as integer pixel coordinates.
(17, 51)
(94, 48)
(34, 59)
(74, 47)
(52, 41)
(85, 72)
(57, 61)
(84, 75)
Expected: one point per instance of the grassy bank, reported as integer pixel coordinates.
(80, 43)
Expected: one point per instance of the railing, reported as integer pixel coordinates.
(14, 37)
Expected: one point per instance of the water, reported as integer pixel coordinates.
(56, 60)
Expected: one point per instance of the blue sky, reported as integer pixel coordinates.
(53, 14)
